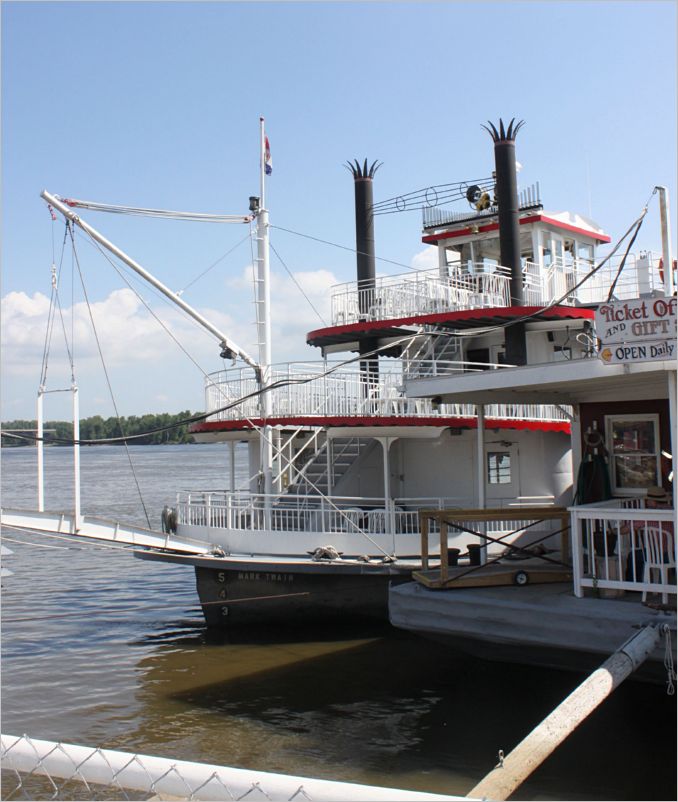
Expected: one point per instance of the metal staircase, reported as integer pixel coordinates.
(314, 479)
(438, 354)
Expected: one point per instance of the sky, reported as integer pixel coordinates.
(158, 104)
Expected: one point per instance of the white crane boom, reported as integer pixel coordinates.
(226, 344)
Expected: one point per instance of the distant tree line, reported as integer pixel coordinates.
(98, 428)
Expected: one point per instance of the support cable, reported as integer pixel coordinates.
(123, 276)
(55, 305)
(551, 304)
(299, 287)
(204, 415)
(108, 381)
(623, 261)
(213, 265)
(343, 247)
(165, 213)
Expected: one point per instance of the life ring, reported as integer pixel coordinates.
(674, 265)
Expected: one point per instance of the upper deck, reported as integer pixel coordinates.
(486, 285)
(307, 394)
(559, 269)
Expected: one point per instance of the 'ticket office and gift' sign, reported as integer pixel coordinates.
(641, 330)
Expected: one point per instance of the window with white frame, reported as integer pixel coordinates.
(633, 448)
(498, 467)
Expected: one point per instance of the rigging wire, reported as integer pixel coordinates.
(285, 382)
(55, 305)
(124, 277)
(108, 381)
(164, 213)
(290, 381)
(557, 301)
(342, 247)
(90, 240)
(623, 261)
(204, 415)
(214, 264)
(299, 287)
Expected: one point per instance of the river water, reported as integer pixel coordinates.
(99, 648)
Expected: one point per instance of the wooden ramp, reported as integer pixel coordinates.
(528, 572)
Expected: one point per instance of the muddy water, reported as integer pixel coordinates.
(99, 648)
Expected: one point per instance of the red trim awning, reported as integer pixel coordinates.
(465, 318)
(336, 421)
(431, 239)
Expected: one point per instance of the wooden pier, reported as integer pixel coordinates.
(530, 572)
(548, 569)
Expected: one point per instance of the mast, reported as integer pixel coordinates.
(263, 295)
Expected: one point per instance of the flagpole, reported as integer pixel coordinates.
(264, 328)
(262, 164)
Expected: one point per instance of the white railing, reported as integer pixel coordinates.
(434, 216)
(419, 293)
(326, 514)
(311, 392)
(37, 769)
(427, 292)
(639, 276)
(612, 548)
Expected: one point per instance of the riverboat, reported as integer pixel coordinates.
(342, 459)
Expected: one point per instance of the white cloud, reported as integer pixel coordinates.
(126, 330)
(426, 259)
(148, 371)
(292, 314)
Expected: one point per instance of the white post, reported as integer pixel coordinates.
(473, 256)
(328, 465)
(232, 450)
(41, 453)
(442, 261)
(264, 327)
(666, 240)
(480, 441)
(389, 509)
(76, 458)
(575, 443)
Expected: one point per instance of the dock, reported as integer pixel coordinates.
(539, 624)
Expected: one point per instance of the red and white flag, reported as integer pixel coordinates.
(268, 164)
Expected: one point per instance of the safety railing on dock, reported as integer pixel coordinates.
(35, 769)
(619, 546)
(308, 390)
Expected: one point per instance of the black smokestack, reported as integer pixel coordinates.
(364, 228)
(509, 228)
(364, 245)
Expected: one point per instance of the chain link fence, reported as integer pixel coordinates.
(35, 769)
